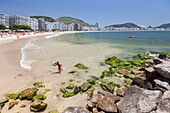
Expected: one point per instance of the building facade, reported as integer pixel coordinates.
(4, 20)
(33, 23)
(17, 19)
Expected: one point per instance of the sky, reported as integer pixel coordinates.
(105, 12)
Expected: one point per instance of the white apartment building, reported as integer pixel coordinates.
(20, 20)
(4, 20)
(41, 24)
(33, 23)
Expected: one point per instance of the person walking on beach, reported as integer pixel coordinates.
(59, 66)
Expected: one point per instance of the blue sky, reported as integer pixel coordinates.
(106, 12)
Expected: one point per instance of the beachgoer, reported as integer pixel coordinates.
(59, 66)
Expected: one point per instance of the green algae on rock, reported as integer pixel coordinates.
(81, 66)
(39, 84)
(12, 104)
(13, 96)
(38, 106)
(28, 93)
(39, 97)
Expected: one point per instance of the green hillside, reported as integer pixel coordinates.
(164, 26)
(49, 19)
(127, 25)
(69, 20)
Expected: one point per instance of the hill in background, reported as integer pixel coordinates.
(164, 26)
(69, 20)
(127, 25)
(49, 19)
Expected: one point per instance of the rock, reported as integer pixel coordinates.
(150, 73)
(164, 104)
(120, 92)
(147, 85)
(39, 84)
(81, 66)
(107, 104)
(162, 84)
(76, 109)
(68, 94)
(12, 104)
(163, 69)
(85, 86)
(138, 100)
(13, 96)
(39, 97)
(94, 110)
(158, 61)
(162, 56)
(2, 102)
(104, 101)
(139, 81)
(38, 106)
(28, 93)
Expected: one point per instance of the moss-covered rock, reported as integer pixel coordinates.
(39, 84)
(71, 86)
(113, 61)
(23, 106)
(81, 66)
(63, 90)
(139, 63)
(76, 90)
(13, 96)
(28, 93)
(12, 104)
(68, 94)
(131, 76)
(90, 91)
(110, 86)
(38, 106)
(127, 81)
(120, 92)
(54, 111)
(62, 83)
(144, 56)
(105, 74)
(91, 81)
(85, 86)
(39, 97)
(112, 70)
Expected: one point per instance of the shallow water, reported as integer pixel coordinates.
(117, 43)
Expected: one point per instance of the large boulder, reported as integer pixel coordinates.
(76, 109)
(104, 101)
(162, 84)
(150, 73)
(28, 93)
(138, 100)
(164, 105)
(163, 69)
(38, 106)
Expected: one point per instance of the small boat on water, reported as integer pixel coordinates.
(132, 36)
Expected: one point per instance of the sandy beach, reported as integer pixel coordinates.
(15, 78)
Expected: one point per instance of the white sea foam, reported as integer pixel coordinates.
(24, 62)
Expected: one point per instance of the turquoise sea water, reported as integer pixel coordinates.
(145, 41)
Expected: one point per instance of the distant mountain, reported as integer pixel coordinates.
(164, 26)
(49, 19)
(69, 20)
(127, 25)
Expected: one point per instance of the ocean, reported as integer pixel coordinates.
(103, 44)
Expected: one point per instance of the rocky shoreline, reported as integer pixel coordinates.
(145, 88)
